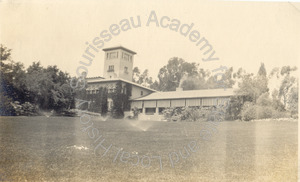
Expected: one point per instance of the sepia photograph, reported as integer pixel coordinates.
(170, 91)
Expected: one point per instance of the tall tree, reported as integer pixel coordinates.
(6, 87)
(262, 70)
(136, 74)
(261, 80)
(49, 87)
(143, 79)
(288, 85)
(170, 75)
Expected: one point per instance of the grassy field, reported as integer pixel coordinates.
(63, 149)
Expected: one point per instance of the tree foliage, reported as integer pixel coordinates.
(170, 75)
(188, 76)
(99, 101)
(252, 86)
(48, 88)
(143, 79)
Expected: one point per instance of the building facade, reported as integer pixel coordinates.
(118, 67)
(152, 105)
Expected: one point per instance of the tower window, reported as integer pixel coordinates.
(112, 55)
(111, 68)
(142, 93)
(126, 56)
(126, 70)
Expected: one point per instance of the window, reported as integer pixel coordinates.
(111, 68)
(142, 93)
(112, 55)
(150, 111)
(126, 70)
(126, 57)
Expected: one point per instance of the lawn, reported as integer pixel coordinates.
(64, 149)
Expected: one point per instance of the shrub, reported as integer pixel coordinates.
(217, 114)
(186, 113)
(193, 113)
(264, 112)
(235, 108)
(26, 109)
(173, 113)
(248, 111)
(277, 105)
(279, 114)
(6, 108)
(264, 100)
(136, 113)
(251, 111)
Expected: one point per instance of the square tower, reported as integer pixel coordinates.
(118, 63)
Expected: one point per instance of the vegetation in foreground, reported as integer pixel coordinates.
(35, 89)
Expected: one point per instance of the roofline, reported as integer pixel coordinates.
(120, 79)
(119, 47)
(181, 97)
(141, 98)
(94, 77)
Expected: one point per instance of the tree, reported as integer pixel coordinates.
(262, 70)
(136, 74)
(252, 86)
(293, 100)
(49, 87)
(143, 79)
(171, 74)
(285, 88)
(126, 96)
(117, 110)
(264, 100)
(194, 83)
(235, 107)
(11, 82)
(226, 81)
(104, 103)
(288, 86)
(12, 76)
(247, 88)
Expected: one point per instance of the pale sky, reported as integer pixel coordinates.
(243, 34)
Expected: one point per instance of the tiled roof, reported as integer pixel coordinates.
(188, 94)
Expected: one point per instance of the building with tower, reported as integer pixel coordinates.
(118, 63)
(118, 69)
